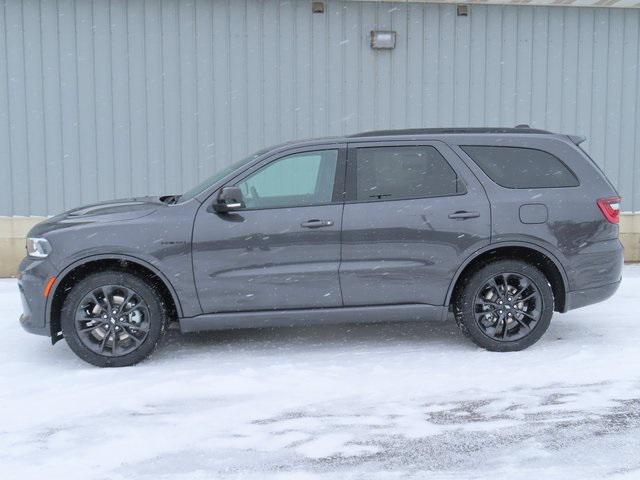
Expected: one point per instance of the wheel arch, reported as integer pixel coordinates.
(541, 257)
(86, 266)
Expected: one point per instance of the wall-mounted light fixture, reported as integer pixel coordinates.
(317, 7)
(463, 10)
(383, 39)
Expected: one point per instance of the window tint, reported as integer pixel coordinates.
(296, 180)
(514, 167)
(384, 173)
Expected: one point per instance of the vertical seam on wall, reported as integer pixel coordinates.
(146, 98)
(75, 49)
(620, 137)
(515, 75)
(26, 110)
(634, 184)
(245, 39)
(312, 63)
(606, 96)
(44, 115)
(229, 86)
(342, 77)
(546, 72)
(163, 127)
(438, 65)
(95, 103)
(214, 74)
(61, 125)
(577, 82)
(531, 70)
(262, 77)
(113, 125)
(278, 73)
(422, 64)
(180, 99)
(327, 76)
(470, 70)
(501, 68)
(359, 72)
(293, 54)
(391, 77)
(375, 75)
(484, 73)
(196, 171)
(563, 26)
(591, 89)
(453, 67)
(6, 62)
(129, 115)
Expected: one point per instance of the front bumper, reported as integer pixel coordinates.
(32, 278)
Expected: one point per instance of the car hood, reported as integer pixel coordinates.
(124, 209)
(102, 212)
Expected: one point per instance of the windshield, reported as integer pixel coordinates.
(219, 175)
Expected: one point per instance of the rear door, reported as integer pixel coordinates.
(414, 213)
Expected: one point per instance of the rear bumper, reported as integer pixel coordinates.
(582, 298)
(594, 274)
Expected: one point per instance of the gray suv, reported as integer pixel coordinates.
(500, 227)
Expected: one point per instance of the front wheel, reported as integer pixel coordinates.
(505, 306)
(113, 319)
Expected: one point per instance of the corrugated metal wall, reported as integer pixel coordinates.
(103, 99)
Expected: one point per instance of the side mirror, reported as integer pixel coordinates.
(229, 199)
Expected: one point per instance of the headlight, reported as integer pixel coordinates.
(38, 247)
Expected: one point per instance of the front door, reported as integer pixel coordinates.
(283, 250)
(414, 213)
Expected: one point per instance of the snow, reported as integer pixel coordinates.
(384, 401)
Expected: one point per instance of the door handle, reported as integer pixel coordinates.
(461, 215)
(315, 223)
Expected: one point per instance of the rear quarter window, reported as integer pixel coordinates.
(518, 167)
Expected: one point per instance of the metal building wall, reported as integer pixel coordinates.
(102, 99)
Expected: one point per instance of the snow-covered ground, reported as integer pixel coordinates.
(341, 402)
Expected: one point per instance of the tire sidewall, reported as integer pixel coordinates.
(464, 307)
(148, 294)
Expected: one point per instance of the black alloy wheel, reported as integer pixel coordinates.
(508, 306)
(505, 305)
(113, 318)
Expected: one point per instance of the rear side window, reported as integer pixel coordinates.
(516, 167)
(386, 173)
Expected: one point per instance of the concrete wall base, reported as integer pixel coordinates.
(13, 231)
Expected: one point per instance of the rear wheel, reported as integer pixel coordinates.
(505, 305)
(113, 319)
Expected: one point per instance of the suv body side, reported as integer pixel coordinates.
(147, 232)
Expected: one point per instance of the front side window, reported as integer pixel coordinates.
(387, 173)
(296, 180)
(517, 167)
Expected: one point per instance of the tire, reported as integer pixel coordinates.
(486, 310)
(103, 329)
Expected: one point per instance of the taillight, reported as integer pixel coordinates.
(610, 208)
